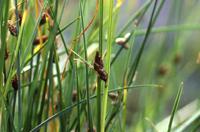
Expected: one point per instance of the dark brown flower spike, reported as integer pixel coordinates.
(12, 29)
(37, 40)
(99, 67)
(43, 19)
(15, 82)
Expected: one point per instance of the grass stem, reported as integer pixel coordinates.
(86, 72)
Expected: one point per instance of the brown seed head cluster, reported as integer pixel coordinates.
(43, 19)
(99, 67)
(12, 29)
(15, 82)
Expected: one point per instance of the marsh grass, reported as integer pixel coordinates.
(57, 83)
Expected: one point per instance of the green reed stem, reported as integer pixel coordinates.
(86, 72)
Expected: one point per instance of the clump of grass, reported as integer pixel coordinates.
(50, 82)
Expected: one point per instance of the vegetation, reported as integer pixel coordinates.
(99, 65)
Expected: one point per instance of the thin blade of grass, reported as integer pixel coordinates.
(86, 71)
(4, 18)
(175, 106)
(138, 57)
(18, 69)
(107, 66)
(98, 78)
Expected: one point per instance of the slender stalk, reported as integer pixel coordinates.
(101, 27)
(138, 57)
(19, 94)
(108, 60)
(158, 11)
(18, 72)
(78, 128)
(3, 36)
(49, 90)
(125, 96)
(86, 72)
(98, 79)
(3, 32)
(78, 101)
(175, 106)
(43, 90)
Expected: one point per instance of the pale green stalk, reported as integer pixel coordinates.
(107, 67)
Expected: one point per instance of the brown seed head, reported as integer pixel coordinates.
(43, 19)
(103, 75)
(99, 67)
(15, 82)
(162, 70)
(12, 29)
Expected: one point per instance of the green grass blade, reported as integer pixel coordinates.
(86, 72)
(175, 106)
(107, 66)
(4, 18)
(138, 57)
(98, 79)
